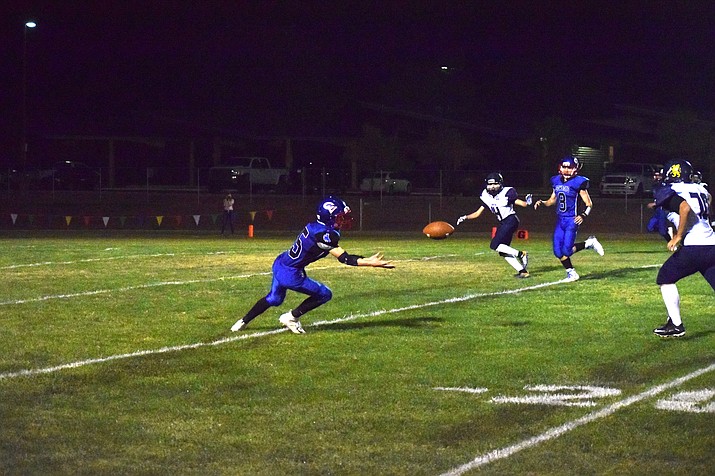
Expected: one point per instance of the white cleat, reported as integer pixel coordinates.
(592, 243)
(291, 323)
(240, 324)
(571, 276)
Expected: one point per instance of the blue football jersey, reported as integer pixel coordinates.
(314, 242)
(567, 194)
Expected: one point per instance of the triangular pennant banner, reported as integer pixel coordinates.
(31, 218)
(105, 220)
(214, 216)
(269, 213)
(122, 220)
(13, 216)
(87, 220)
(253, 215)
(68, 219)
(178, 220)
(196, 219)
(159, 219)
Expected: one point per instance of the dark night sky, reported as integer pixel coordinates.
(512, 61)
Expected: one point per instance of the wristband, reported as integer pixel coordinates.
(350, 260)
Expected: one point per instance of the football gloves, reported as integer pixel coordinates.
(529, 199)
(461, 219)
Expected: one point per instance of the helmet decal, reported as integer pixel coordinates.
(678, 171)
(330, 207)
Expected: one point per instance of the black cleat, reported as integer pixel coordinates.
(670, 330)
(522, 274)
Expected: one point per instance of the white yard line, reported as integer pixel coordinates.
(178, 348)
(555, 432)
(161, 283)
(108, 258)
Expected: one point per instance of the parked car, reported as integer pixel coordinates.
(628, 179)
(386, 182)
(68, 175)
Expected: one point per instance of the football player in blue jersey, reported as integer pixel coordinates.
(659, 221)
(501, 200)
(567, 187)
(318, 239)
(693, 244)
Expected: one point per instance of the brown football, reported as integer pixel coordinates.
(438, 230)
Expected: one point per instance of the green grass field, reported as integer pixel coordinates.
(117, 359)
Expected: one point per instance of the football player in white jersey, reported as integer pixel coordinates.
(500, 200)
(693, 244)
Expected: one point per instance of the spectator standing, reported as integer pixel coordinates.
(227, 213)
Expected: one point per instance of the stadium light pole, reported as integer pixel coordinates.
(28, 26)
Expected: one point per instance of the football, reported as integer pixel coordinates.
(438, 230)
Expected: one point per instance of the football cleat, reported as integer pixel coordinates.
(522, 274)
(670, 330)
(592, 243)
(291, 323)
(571, 276)
(240, 324)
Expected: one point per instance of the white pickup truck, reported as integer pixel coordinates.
(628, 179)
(247, 174)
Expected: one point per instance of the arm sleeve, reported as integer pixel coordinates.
(672, 204)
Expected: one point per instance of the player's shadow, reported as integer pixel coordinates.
(694, 335)
(407, 322)
(662, 251)
(616, 273)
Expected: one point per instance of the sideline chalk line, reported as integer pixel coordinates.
(112, 258)
(170, 283)
(555, 432)
(225, 340)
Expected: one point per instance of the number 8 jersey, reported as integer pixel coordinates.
(567, 193)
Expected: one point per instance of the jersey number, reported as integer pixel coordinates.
(495, 211)
(561, 198)
(703, 202)
(297, 247)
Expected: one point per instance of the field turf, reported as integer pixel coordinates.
(117, 359)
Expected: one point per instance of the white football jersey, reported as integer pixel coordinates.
(501, 204)
(697, 197)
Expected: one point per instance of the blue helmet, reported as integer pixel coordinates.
(678, 170)
(335, 213)
(569, 166)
